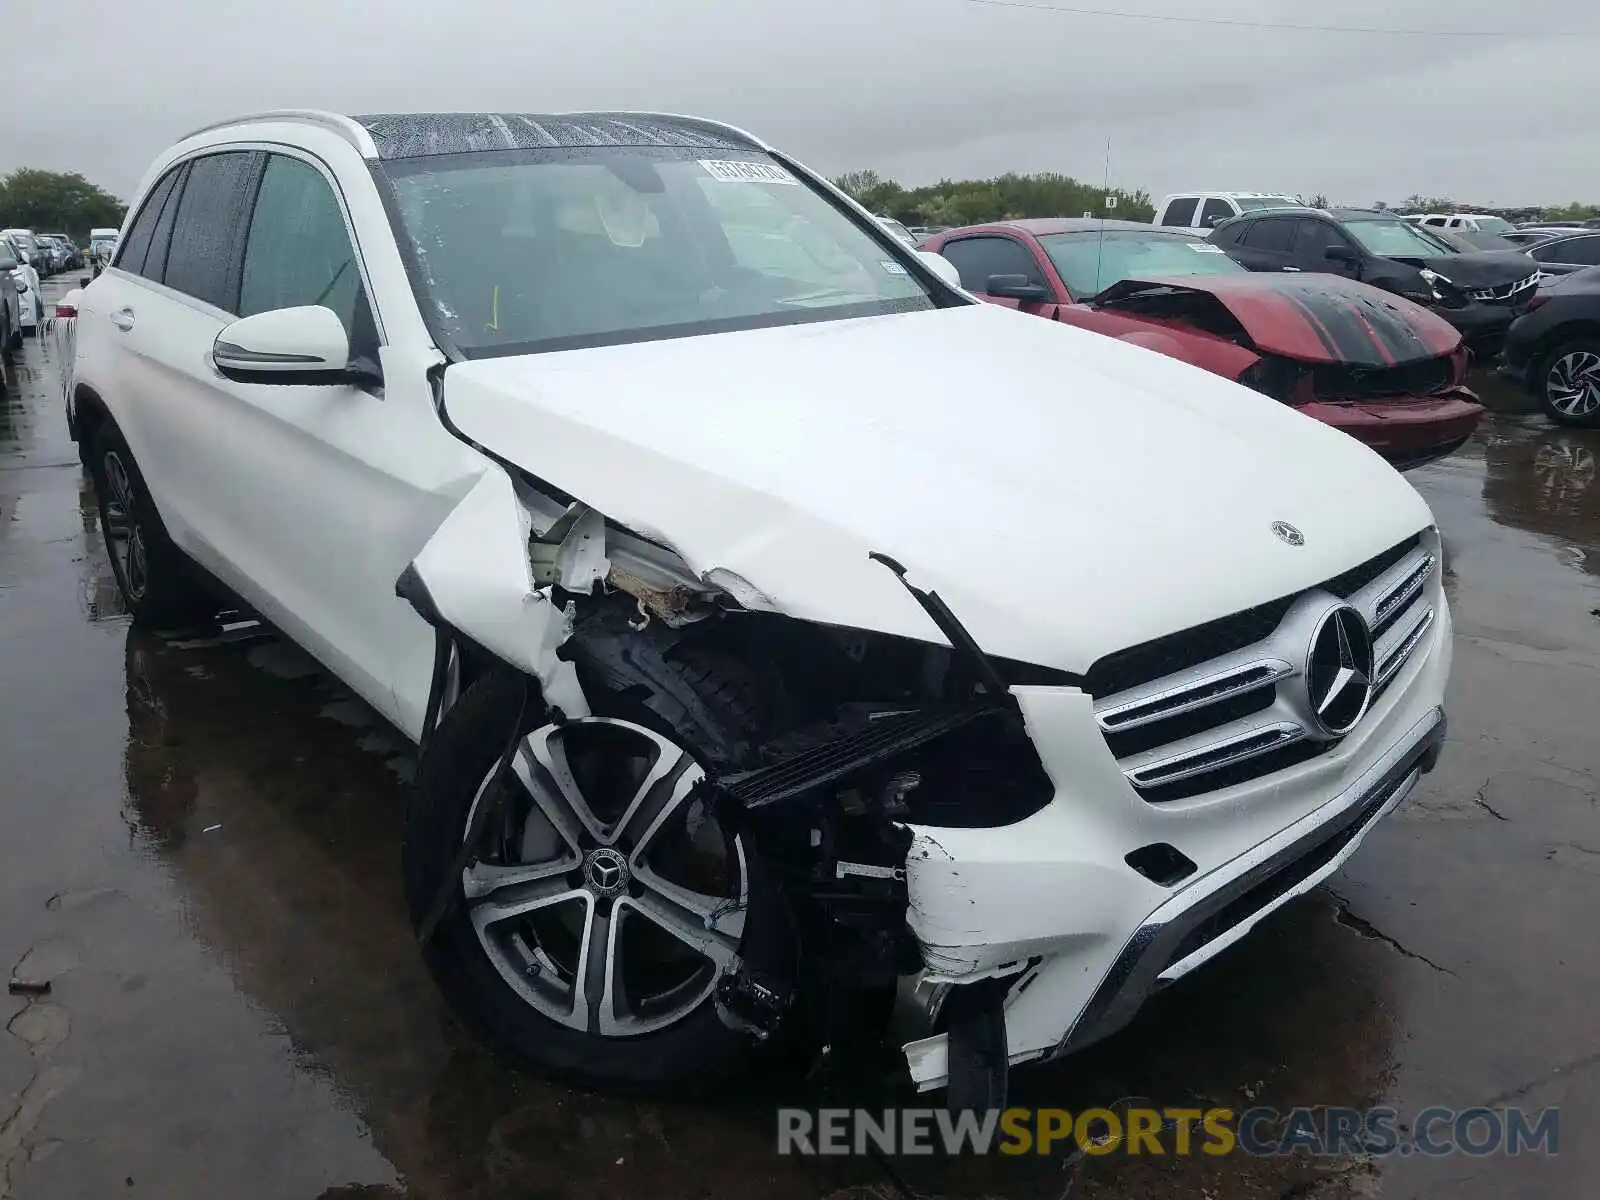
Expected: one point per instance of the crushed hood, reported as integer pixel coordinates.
(1311, 318)
(1487, 268)
(1066, 493)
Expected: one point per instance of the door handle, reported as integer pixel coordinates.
(123, 319)
(1291, 268)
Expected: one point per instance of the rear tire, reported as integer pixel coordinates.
(1568, 383)
(516, 972)
(157, 581)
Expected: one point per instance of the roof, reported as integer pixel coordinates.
(412, 135)
(1235, 195)
(1040, 226)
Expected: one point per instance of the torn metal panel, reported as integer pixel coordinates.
(480, 581)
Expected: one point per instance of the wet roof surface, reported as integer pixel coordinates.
(414, 135)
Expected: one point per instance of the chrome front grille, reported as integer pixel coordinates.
(1228, 701)
(1506, 293)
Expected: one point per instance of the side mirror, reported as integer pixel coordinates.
(304, 345)
(940, 266)
(1340, 254)
(1016, 287)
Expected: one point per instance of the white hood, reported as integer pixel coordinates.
(1066, 493)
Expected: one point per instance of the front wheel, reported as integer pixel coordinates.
(1569, 383)
(607, 901)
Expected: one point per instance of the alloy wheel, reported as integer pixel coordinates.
(1573, 383)
(123, 533)
(607, 895)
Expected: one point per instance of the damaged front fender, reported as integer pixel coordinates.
(474, 579)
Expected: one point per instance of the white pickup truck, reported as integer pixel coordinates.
(1201, 212)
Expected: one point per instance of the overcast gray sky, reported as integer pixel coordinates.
(918, 89)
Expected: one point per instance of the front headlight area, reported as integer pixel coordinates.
(888, 727)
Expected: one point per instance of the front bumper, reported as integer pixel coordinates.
(1407, 430)
(1482, 326)
(1052, 904)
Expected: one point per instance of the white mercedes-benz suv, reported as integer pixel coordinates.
(791, 640)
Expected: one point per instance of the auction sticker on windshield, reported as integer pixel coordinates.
(1205, 247)
(746, 172)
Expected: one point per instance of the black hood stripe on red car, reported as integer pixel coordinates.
(1359, 330)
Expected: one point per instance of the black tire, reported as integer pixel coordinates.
(1579, 357)
(158, 583)
(702, 703)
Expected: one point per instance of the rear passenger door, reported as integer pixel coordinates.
(1266, 244)
(172, 289)
(1180, 212)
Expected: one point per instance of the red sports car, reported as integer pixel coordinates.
(1384, 370)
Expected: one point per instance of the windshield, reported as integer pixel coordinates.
(1494, 224)
(1393, 239)
(516, 251)
(1092, 262)
(1249, 203)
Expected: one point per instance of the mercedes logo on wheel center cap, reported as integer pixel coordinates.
(1286, 532)
(1339, 670)
(606, 872)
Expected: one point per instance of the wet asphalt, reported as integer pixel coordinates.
(199, 854)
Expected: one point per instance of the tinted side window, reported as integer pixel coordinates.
(203, 259)
(1215, 212)
(299, 250)
(977, 258)
(1312, 239)
(131, 254)
(1180, 212)
(155, 263)
(1583, 250)
(1275, 234)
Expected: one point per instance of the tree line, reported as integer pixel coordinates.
(57, 202)
(1005, 197)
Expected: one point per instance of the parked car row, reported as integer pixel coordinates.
(17, 259)
(47, 253)
(793, 642)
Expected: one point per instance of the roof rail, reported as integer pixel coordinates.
(702, 122)
(352, 131)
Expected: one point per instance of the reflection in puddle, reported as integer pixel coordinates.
(1544, 480)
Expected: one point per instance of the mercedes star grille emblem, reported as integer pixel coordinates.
(1288, 533)
(1339, 671)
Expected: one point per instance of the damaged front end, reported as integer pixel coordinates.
(875, 735)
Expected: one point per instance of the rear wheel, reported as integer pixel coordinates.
(607, 900)
(1569, 383)
(157, 583)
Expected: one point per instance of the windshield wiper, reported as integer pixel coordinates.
(826, 294)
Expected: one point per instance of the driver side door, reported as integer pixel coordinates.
(310, 498)
(1312, 241)
(984, 255)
